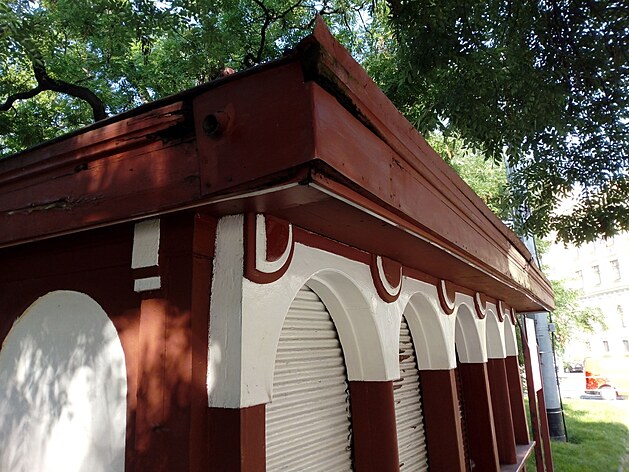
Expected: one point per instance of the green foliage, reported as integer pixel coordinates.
(129, 52)
(540, 85)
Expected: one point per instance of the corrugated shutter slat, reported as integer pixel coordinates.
(408, 408)
(307, 424)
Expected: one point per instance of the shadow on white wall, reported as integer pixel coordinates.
(63, 389)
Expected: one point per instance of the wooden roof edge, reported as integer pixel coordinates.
(323, 60)
(180, 100)
(328, 63)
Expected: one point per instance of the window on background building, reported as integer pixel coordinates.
(606, 346)
(597, 274)
(621, 315)
(625, 343)
(615, 269)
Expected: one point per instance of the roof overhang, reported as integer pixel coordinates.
(309, 138)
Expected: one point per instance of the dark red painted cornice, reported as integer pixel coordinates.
(309, 138)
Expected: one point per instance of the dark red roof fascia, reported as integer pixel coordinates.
(310, 127)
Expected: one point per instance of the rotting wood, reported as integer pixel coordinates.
(65, 204)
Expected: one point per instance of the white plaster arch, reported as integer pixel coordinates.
(496, 348)
(364, 322)
(511, 343)
(246, 318)
(431, 329)
(469, 332)
(63, 389)
(361, 339)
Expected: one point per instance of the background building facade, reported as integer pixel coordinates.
(600, 270)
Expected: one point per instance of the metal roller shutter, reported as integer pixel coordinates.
(408, 408)
(308, 423)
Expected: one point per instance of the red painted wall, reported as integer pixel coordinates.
(163, 333)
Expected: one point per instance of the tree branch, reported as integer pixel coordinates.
(45, 82)
(270, 16)
(268, 19)
(11, 99)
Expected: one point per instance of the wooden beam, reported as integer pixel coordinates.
(237, 439)
(373, 426)
(516, 395)
(444, 434)
(501, 407)
(479, 416)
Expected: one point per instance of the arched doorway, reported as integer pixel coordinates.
(308, 424)
(64, 387)
(408, 407)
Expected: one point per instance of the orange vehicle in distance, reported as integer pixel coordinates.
(607, 376)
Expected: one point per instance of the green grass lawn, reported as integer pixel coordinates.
(598, 437)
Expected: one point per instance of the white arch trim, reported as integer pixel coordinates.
(431, 329)
(470, 331)
(64, 388)
(390, 289)
(363, 321)
(262, 264)
(496, 348)
(246, 318)
(511, 343)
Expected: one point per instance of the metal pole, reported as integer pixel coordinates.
(552, 399)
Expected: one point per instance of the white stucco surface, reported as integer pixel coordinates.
(262, 264)
(246, 319)
(495, 330)
(63, 389)
(391, 290)
(146, 237)
(470, 332)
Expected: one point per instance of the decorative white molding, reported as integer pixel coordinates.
(502, 313)
(146, 284)
(481, 311)
(431, 330)
(146, 237)
(262, 262)
(365, 323)
(470, 331)
(449, 303)
(496, 348)
(246, 320)
(390, 289)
